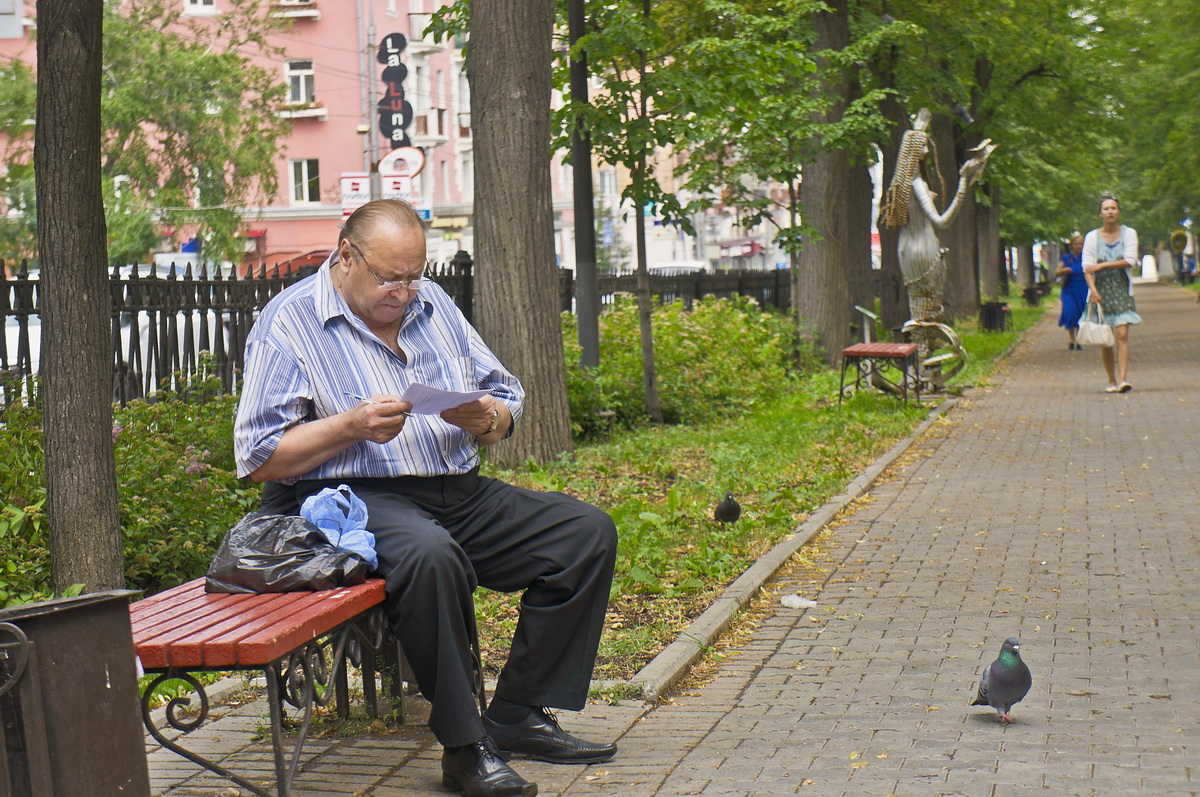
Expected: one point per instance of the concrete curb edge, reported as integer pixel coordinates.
(669, 666)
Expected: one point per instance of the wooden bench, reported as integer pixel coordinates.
(881, 360)
(301, 641)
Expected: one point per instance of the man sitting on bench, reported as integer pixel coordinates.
(326, 363)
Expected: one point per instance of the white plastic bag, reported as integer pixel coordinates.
(342, 515)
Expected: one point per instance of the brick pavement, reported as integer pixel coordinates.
(1040, 507)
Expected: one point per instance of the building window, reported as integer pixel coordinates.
(420, 92)
(466, 176)
(299, 76)
(306, 182)
(199, 8)
(464, 91)
(444, 179)
(608, 182)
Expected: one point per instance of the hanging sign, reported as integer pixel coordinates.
(395, 112)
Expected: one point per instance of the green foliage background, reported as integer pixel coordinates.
(176, 479)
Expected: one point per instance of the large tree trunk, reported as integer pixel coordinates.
(861, 273)
(987, 229)
(1025, 276)
(893, 296)
(961, 293)
(824, 299)
(81, 481)
(516, 277)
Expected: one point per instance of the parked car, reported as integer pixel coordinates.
(674, 268)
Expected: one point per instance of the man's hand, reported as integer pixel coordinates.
(475, 417)
(379, 418)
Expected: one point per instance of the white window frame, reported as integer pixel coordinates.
(199, 8)
(305, 176)
(465, 176)
(300, 73)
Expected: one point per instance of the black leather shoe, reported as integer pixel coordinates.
(477, 770)
(539, 737)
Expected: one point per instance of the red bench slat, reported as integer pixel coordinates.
(187, 627)
(306, 625)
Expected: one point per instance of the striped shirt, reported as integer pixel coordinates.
(307, 350)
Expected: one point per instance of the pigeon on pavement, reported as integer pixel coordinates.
(1005, 681)
(728, 510)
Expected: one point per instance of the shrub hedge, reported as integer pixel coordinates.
(177, 482)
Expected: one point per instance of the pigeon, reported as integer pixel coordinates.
(728, 510)
(1005, 681)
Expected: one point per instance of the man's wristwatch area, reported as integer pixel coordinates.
(495, 422)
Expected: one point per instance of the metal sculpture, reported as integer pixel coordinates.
(922, 258)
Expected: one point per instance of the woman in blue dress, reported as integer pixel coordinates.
(1109, 253)
(1074, 288)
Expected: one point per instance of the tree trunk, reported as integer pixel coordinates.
(652, 402)
(861, 272)
(987, 229)
(961, 293)
(824, 299)
(893, 296)
(81, 481)
(516, 277)
(1025, 266)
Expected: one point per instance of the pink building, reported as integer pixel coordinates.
(365, 85)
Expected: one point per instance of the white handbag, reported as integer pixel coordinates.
(1093, 332)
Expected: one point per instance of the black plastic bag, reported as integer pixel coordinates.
(280, 553)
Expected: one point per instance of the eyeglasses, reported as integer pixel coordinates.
(392, 285)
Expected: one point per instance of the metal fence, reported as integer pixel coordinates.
(163, 319)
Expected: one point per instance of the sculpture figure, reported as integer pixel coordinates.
(921, 254)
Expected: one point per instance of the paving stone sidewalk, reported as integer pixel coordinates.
(1040, 507)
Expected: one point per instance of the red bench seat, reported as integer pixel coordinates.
(878, 359)
(189, 628)
(286, 635)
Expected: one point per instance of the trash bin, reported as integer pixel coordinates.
(70, 714)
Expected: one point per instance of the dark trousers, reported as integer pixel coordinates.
(438, 539)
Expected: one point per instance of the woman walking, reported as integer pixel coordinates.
(1074, 289)
(1109, 253)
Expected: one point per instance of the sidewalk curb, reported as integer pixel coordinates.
(669, 666)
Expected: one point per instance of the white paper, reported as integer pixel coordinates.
(428, 400)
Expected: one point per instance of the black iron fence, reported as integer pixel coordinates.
(164, 318)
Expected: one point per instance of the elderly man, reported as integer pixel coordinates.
(325, 366)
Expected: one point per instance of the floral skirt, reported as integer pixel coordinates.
(1115, 299)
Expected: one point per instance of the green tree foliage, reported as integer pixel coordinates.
(758, 108)
(1153, 65)
(190, 124)
(1032, 77)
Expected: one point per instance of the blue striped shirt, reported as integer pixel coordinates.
(307, 350)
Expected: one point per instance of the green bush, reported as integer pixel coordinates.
(179, 491)
(24, 546)
(177, 486)
(721, 357)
